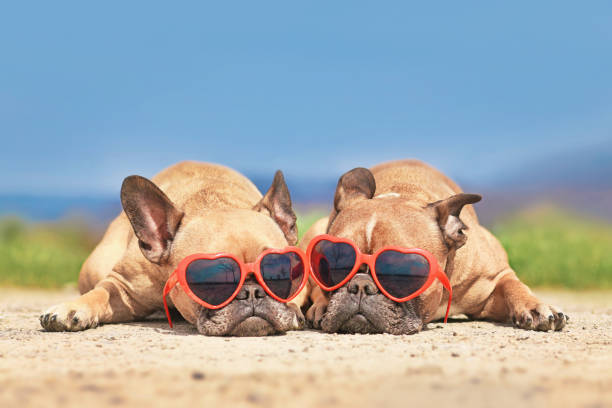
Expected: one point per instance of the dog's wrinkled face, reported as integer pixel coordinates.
(376, 222)
(245, 234)
(359, 307)
(166, 235)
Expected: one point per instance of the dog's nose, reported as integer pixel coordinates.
(251, 292)
(362, 284)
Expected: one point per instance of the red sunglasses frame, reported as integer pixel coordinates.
(434, 268)
(178, 276)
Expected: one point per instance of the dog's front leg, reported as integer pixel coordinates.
(112, 300)
(513, 301)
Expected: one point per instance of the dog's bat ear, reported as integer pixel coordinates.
(356, 184)
(153, 216)
(277, 203)
(447, 214)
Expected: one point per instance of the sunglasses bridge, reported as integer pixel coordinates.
(257, 292)
(365, 259)
(249, 269)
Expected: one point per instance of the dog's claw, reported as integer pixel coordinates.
(315, 313)
(540, 318)
(68, 317)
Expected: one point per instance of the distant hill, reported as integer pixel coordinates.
(97, 209)
(588, 168)
(101, 209)
(580, 180)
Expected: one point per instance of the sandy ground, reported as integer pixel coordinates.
(148, 364)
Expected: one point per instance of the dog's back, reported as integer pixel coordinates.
(212, 185)
(417, 181)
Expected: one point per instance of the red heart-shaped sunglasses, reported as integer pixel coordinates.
(399, 273)
(214, 280)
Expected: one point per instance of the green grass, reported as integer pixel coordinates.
(306, 219)
(552, 248)
(547, 247)
(42, 255)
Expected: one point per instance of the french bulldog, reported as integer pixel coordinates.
(188, 208)
(410, 204)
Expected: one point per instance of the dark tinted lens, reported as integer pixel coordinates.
(401, 274)
(213, 280)
(283, 273)
(332, 261)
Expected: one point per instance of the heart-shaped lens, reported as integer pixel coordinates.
(213, 280)
(332, 262)
(401, 274)
(282, 273)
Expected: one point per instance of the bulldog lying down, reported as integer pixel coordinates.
(407, 204)
(188, 208)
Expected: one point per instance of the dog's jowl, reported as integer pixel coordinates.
(186, 209)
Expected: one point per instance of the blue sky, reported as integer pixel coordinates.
(90, 93)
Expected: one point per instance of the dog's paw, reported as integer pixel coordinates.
(315, 313)
(69, 316)
(542, 317)
(299, 321)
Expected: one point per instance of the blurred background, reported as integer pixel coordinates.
(513, 101)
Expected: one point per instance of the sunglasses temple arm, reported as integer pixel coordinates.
(446, 283)
(170, 283)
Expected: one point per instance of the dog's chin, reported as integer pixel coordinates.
(262, 317)
(358, 323)
(347, 313)
(253, 326)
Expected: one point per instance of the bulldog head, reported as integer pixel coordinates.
(166, 234)
(388, 220)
